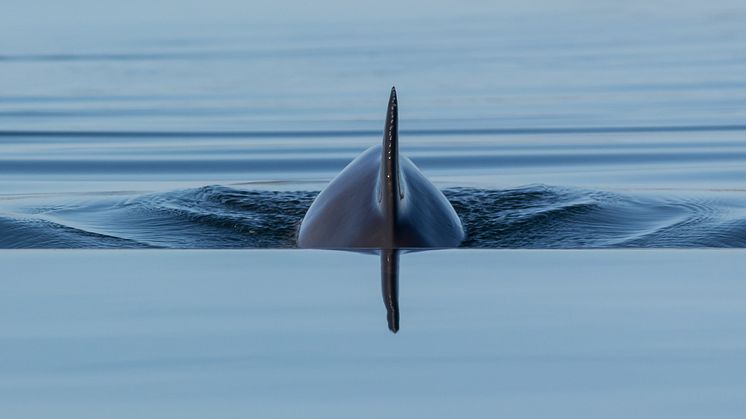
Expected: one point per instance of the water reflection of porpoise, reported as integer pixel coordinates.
(381, 200)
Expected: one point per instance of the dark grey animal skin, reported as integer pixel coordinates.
(381, 201)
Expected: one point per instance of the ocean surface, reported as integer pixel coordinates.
(587, 126)
(302, 334)
(130, 129)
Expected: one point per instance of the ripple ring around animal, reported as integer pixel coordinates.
(381, 200)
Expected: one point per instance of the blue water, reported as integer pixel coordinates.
(302, 334)
(548, 124)
(547, 127)
(225, 217)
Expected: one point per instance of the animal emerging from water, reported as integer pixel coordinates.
(382, 201)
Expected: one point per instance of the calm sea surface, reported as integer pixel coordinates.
(587, 126)
(602, 127)
(547, 124)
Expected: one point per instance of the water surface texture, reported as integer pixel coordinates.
(586, 125)
(549, 124)
(301, 334)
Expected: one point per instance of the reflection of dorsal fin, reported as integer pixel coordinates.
(390, 286)
(389, 183)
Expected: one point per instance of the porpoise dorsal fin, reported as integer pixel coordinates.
(389, 183)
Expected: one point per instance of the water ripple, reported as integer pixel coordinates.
(536, 216)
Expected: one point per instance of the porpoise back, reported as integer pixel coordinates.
(381, 200)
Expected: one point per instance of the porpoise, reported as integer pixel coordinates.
(381, 201)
